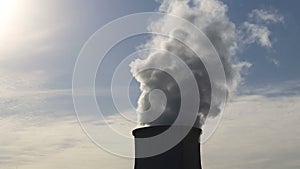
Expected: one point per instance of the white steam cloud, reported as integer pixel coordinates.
(211, 18)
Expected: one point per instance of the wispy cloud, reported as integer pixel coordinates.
(255, 33)
(266, 16)
(257, 29)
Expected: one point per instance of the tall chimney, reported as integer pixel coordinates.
(184, 155)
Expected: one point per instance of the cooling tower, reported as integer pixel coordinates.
(184, 155)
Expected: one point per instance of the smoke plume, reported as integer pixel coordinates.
(210, 17)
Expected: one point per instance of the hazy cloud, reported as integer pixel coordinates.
(256, 132)
(252, 134)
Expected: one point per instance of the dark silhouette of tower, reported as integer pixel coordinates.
(184, 155)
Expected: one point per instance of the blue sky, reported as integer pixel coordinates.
(41, 40)
(69, 24)
(284, 37)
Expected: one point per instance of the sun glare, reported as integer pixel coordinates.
(7, 8)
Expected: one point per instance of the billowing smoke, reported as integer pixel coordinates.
(210, 17)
